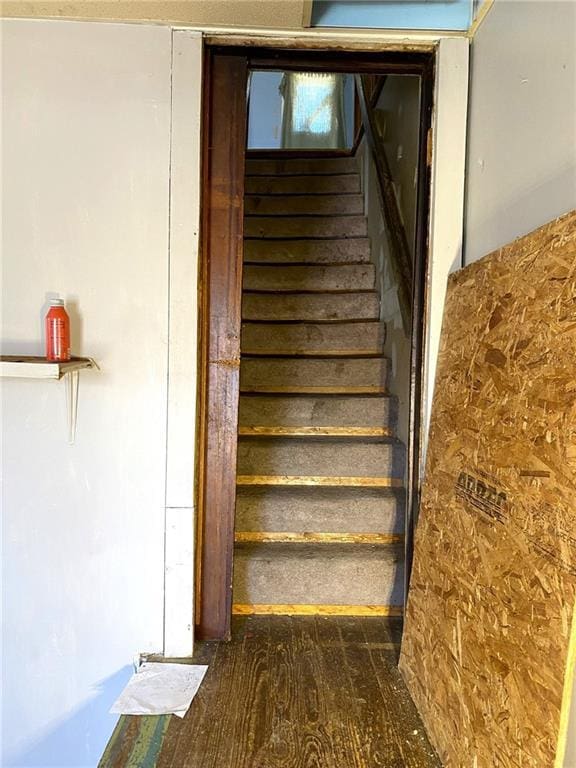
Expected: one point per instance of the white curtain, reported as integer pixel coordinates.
(313, 112)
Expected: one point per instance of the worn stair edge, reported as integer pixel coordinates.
(272, 389)
(321, 480)
(316, 353)
(258, 431)
(310, 609)
(316, 537)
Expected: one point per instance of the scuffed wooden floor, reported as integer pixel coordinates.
(288, 692)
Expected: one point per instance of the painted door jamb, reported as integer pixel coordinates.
(446, 226)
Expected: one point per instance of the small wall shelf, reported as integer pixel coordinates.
(26, 367)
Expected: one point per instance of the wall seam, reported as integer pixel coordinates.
(169, 244)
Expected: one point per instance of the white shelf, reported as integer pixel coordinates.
(25, 367)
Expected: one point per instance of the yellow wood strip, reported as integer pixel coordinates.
(265, 609)
(259, 352)
(480, 16)
(368, 482)
(289, 537)
(295, 390)
(312, 431)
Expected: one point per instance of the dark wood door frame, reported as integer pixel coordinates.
(224, 141)
(224, 146)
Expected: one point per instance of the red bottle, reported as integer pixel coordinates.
(57, 332)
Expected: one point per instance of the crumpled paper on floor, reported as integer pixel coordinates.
(160, 689)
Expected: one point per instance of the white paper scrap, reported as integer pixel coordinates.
(160, 689)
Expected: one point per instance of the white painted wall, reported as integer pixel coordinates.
(271, 13)
(521, 163)
(447, 194)
(522, 136)
(265, 108)
(86, 165)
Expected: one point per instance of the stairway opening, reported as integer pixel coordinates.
(328, 233)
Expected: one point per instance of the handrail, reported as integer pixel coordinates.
(396, 233)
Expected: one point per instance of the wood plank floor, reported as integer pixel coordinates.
(288, 692)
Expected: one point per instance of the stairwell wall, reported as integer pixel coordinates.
(398, 109)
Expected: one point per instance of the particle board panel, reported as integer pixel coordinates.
(488, 649)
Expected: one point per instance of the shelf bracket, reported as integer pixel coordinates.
(72, 382)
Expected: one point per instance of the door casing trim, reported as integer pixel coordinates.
(444, 231)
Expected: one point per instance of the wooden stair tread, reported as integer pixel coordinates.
(312, 609)
(312, 390)
(323, 480)
(307, 431)
(316, 537)
(320, 473)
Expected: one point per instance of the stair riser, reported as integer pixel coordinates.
(356, 277)
(305, 226)
(320, 457)
(311, 338)
(256, 374)
(293, 166)
(318, 411)
(306, 205)
(303, 185)
(329, 574)
(355, 251)
(348, 510)
(310, 307)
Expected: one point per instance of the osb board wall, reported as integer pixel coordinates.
(487, 651)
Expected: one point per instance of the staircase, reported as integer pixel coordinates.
(319, 511)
